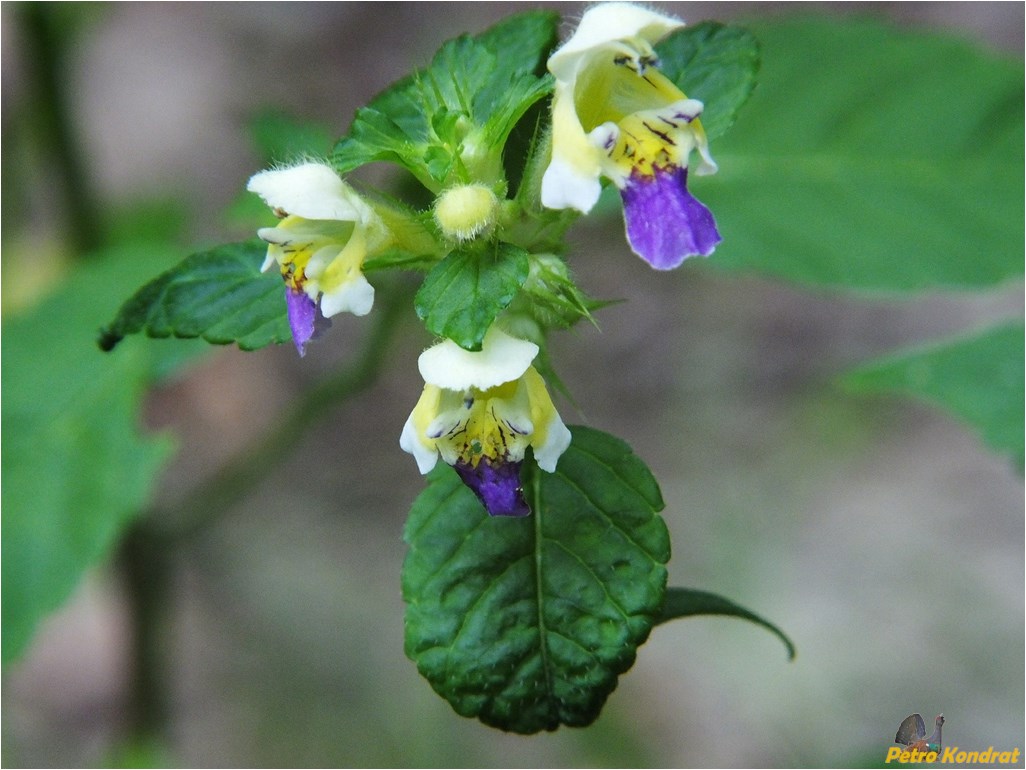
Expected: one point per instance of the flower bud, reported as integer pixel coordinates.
(466, 211)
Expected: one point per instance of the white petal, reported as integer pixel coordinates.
(605, 24)
(320, 260)
(707, 165)
(501, 359)
(273, 235)
(565, 187)
(311, 191)
(572, 178)
(355, 296)
(409, 442)
(442, 425)
(557, 439)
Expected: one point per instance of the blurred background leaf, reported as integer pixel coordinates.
(979, 378)
(281, 138)
(869, 158)
(76, 466)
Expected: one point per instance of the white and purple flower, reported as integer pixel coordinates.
(325, 233)
(615, 115)
(479, 412)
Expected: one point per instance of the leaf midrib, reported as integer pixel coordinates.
(543, 648)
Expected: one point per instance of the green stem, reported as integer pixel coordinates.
(237, 478)
(46, 47)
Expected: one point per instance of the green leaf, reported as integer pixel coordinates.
(463, 293)
(523, 43)
(527, 623)
(873, 159)
(716, 64)
(685, 602)
(980, 379)
(219, 295)
(448, 122)
(76, 469)
(282, 138)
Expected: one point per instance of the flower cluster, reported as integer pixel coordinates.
(614, 116)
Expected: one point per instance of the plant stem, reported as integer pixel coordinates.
(148, 545)
(146, 571)
(236, 478)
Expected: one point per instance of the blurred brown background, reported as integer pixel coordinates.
(879, 533)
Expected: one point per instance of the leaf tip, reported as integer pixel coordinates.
(108, 339)
(685, 602)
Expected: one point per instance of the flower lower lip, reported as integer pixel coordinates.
(666, 224)
(496, 485)
(305, 319)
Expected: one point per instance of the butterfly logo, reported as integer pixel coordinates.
(912, 733)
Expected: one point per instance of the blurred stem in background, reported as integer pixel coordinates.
(239, 476)
(48, 40)
(147, 551)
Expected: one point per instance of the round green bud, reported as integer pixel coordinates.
(467, 211)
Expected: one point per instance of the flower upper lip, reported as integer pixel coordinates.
(502, 359)
(608, 25)
(311, 191)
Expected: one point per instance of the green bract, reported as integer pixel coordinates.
(463, 293)
(716, 64)
(219, 295)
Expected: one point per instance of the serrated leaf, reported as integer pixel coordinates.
(527, 623)
(463, 293)
(873, 159)
(522, 42)
(219, 295)
(455, 115)
(979, 379)
(76, 468)
(686, 602)
(716, 64)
